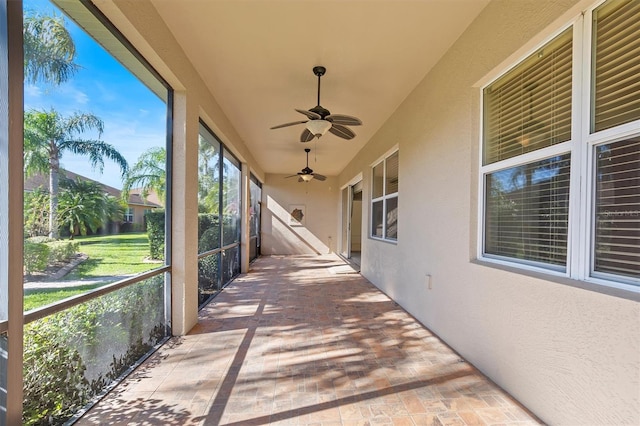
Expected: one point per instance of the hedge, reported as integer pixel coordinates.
(155, 230)
(208, 232)
(208, 239)
(71, 356)
(39, 252)
(36, 257)
(59, 251)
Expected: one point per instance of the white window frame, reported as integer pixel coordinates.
(383, 160)
(128, 215)
(581, 146)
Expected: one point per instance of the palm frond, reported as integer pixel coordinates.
(97, 151)
(49, 50)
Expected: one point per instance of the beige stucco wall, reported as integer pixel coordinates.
(318, 235)
(570, 355)
(138, 216)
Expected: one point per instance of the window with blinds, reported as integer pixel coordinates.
(530, 106)
(529, 216)
(391, 191)
(616, 64)
(617, 208)
(384, 198)
(527, 210)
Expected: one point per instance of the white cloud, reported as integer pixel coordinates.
(106, 95)
(81, 97)
(71, 97)
(32, 91)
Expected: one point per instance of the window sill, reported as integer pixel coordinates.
(382, 240)
(623, 293)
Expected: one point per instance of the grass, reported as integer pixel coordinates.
(109, 256)
(121, 254)
(44, 297)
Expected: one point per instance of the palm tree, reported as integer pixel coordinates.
(48, 135)
(49, 51)
(147, 173)
(208, 177)
(84, 205)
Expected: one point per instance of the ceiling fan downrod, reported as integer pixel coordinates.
(319, 71)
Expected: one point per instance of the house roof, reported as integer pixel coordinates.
(40, 180)
(151, 198)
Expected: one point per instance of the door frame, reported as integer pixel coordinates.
(345, 228)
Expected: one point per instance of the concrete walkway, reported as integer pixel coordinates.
(293, 344)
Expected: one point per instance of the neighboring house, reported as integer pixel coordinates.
(137, 206)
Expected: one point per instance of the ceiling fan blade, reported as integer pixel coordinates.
(286, 177)
(321, 178)
(342, 131)
(306, 136)
(288, 124)
(345, 120)
(312, 115)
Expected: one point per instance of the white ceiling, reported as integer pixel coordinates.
(256, 57)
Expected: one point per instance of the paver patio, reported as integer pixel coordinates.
(292, 343)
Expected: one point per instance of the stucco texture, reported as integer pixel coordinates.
(316, 234)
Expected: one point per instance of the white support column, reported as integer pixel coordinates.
(245, 228)
(11, 201)
(184, 209)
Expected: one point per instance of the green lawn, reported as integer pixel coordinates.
(109, 255)
(39, 298)
(121, 254)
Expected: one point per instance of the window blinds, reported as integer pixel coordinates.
(616, 64)
(530, 107)
(378, 181)
(617, 220)
(527, 211)
(391, 175)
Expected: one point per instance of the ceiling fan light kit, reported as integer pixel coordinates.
(318, 127)
(307, 174)
(320, 120)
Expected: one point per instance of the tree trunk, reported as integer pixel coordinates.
(54, 164)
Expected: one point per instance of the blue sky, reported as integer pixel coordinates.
(134, 117)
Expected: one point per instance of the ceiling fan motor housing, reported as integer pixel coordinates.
(322, 112)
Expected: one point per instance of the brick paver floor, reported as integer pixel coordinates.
(292, 343)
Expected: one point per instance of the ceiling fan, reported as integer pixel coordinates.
(320, 119)
(307, 174)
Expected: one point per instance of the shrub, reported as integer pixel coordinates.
(36, 212)
(40, 239)
(230, 229)
(54, 382)
(71, 356)
(155, 230)
(36, 257)
(208, 232)
(59, 251)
